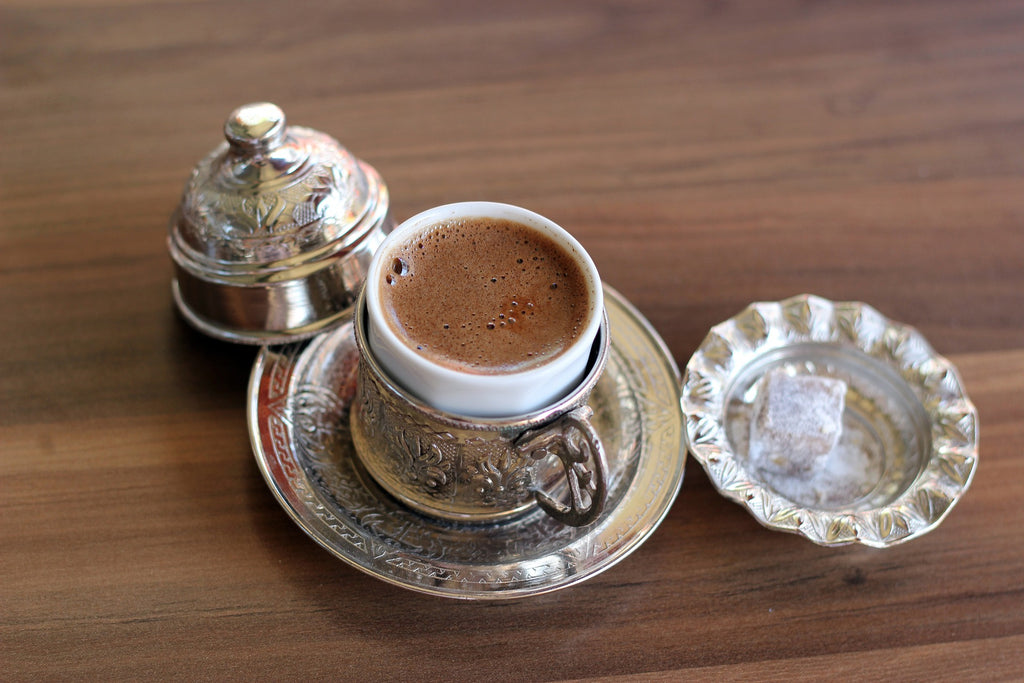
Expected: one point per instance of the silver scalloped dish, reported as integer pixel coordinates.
(910, 427)
(299, 397)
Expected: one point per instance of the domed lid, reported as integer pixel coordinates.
(272, 197)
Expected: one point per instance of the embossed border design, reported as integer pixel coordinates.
(762, 327)
(298, 423)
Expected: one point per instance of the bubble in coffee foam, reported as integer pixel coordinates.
(460, 293)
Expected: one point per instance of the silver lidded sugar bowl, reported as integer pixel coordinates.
(274, 232)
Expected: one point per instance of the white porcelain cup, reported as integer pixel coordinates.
(478, 394)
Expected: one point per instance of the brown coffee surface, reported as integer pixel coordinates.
(485, 295)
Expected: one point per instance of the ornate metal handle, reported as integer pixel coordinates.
(573, 440)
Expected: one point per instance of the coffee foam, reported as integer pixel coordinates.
(484, 295)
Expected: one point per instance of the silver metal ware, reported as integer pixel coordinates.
(274, 232)
(300, 396)
(480, 469)
(909, 445)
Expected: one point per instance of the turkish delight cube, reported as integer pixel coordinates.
(797, 421)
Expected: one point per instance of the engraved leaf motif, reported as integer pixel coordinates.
(265, 211)
(888, 526)
(957, 468)
(848, 318)
(927, 505)
(870, 327)
(315, 414)
(778, 513)
(703, 429)
(434, 474)
(841, 530)
(915, 351)
(427, 464)
(861, 324)
(809, 317)
(820, 321)
(700, 389)
(498, 479)
(717, 351)
(786, 518)
(832, 530)
(729, 476)
(950, 383)
(752, 325)
(906, 349)
(956, 427)
(797, 314)
(756, 501)
(931, 389)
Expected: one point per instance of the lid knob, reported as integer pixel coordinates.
(255, 128)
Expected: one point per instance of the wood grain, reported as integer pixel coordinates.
(707, 154)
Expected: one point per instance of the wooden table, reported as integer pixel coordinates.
(707, 155)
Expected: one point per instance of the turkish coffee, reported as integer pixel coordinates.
(484, 295)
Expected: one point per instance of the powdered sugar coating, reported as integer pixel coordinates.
(796, 423)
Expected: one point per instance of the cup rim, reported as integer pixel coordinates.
(472, 209)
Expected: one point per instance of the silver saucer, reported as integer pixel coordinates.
(299, 396)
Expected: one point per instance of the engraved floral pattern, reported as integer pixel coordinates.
(263, 210)
(412, 455)
(406, 453)
(501, 478)
(313, 412)
(427, 460)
